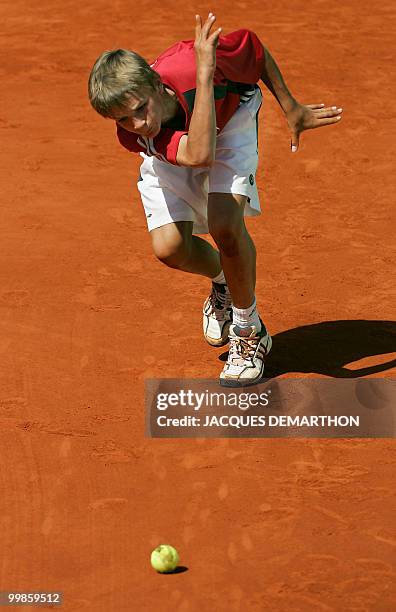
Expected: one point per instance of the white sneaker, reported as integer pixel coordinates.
(245, 363)
(217, 315)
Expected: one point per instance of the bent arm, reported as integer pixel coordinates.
(299, 117)
(273, 80)
(197, 148)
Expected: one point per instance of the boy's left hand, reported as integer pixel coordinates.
(309, 116)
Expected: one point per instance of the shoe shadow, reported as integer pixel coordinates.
(327, 347)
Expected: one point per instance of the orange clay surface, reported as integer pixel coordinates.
(87, 314)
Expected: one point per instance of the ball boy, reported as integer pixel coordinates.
(192, 116)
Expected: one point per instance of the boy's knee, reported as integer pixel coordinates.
(227, 237)
(172, 257)
(226, 222)
(172, 244)
(173, 254)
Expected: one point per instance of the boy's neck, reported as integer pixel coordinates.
(172, 106)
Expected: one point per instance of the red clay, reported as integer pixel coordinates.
(87, 314)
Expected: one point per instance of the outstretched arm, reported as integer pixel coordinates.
(299, 117)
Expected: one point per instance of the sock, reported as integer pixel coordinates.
(246, 317)
(219, 279)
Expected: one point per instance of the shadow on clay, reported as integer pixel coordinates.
(179, 570)
(326, 348)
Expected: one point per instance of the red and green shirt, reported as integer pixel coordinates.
(239, 65)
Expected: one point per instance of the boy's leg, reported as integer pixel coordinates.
(175, 202)
(237, 250)
(175, 246)
(249, 339)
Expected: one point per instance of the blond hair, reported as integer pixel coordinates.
(117, 74)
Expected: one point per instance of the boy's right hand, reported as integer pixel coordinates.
(205, 46)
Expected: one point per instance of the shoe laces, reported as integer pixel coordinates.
(242, 349)
(219, 302)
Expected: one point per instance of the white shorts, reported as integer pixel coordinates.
(176, 193)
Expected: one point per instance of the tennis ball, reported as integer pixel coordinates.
(164, 558)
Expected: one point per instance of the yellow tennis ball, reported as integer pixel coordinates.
(164, 558)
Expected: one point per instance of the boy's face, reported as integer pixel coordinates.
(142, 114)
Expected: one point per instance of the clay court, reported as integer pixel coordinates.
(87, 314)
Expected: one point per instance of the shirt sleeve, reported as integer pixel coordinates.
(167, 144)
(240, 56)
(163, 146)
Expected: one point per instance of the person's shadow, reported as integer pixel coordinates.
(327, 347)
